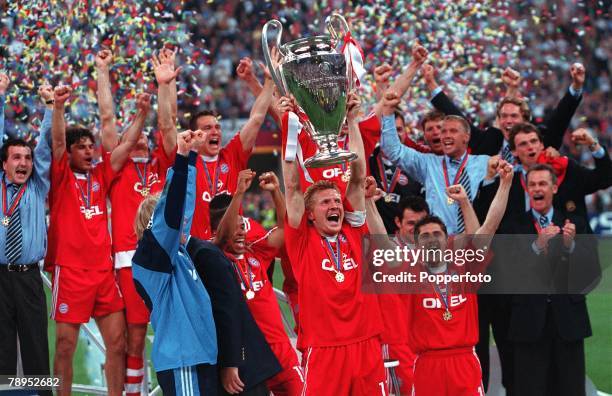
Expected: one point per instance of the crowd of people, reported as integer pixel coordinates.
(162, 234)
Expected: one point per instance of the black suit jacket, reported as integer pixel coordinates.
(490, 140)
(240, 341)
(558, 270)
(388, 210)
(578, 183)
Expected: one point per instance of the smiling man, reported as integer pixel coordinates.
(23, 237)
(437, 172)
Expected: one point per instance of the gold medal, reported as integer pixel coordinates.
(447, 315)
(346, 176)
(339, 277)
(250, 295)
(388, 198)
(450, 201)
(144, 191)
(88, 214)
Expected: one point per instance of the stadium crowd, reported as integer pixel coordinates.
(161, 233)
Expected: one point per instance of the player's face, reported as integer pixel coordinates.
(401, 128)
(327, 212)
(406, 225)
(509, 116)
(81, 155)
(432, 237)
(211, 126)
(143, 143)
(18, 165)
(432, 132)
(541, 190)
(454, 138)
(528, 148)
(237, 244)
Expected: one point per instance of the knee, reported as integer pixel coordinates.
(116, 343)
(65, 346)
(135, 345)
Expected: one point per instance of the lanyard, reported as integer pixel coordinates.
(142, 177)
(86, 199)
(444, 296)
(212, 187)
(335, 257)
(383, 177)
(459, 171)
(248, 282)
(6, 210)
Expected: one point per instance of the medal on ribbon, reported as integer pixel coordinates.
(242, 274)
(143, 177)
(336, 258)
(86, 198)
(449, 200)
(388, 188)
(212, 185)
(444, 297)
(8, 210)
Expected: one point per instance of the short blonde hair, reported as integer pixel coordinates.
(144, 213)
(320, 185)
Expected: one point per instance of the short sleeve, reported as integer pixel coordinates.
(104, 170)
(164, 161)
(236, 154)
(295, 239)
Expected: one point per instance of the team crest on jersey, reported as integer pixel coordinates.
(224, 168)
(342, 238)
(253, 262)
(63, 308)
(95, 187)
(402, 180)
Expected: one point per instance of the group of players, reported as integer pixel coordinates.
(181, 256)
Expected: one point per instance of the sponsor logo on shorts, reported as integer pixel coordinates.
(63, 308)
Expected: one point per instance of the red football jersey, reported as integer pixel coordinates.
(252, 270)
(332, 312)
(78, 229)
(126, 194)
(231, 160)
(339, 174)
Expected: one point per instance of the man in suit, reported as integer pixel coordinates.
(511, 111)
(547, 330)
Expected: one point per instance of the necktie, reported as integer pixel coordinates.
(13, 234)
(507, 154)
(543, 221)
(464, 180)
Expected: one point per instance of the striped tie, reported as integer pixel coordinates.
(464, 180)
(13, 234)
(507, 154)
(543, 221)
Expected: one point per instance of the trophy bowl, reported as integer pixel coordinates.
(317, 76)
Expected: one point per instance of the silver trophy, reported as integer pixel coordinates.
(317, 75)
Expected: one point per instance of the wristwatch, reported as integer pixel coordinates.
(593, 145)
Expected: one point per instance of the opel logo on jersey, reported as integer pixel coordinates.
(347, 264)
(206, 197)
(151, 179)
(435, 303)
(91, 211)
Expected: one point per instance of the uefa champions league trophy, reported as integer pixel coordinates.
(318, 76)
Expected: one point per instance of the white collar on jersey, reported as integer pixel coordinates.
(80, 176)
(140, 160)
(240, 256)
(207, 158)
(437, 270)
(332, 238)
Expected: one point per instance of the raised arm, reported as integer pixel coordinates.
(109, 135)
(293, 194)
(269, 182)
(4, 83)
(457, 193)
(499, 203)
(382, 74)
(600, 177)
(58, 128)
(512, 80)
(42, 151)
(122, 152)
(248, 133)
(356, 184)
(165, 75)
(168, 56)
(228, 223)
(404, 81)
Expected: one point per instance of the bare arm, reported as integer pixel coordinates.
(121, 153)
(248, 133)
(378, 232)
(58, 124)
(228, 223)
(269, 182)
(457, 193)
(355, 190)
(109, 135)
(165, 74)
(293, 194)
(498, 206)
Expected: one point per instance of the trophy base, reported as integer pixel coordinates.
(321, 160)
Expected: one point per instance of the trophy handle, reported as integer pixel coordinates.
(266, 52)
(330, 26)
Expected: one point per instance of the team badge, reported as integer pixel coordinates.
(570, 206)
(95, 187)
(253, 262)
(342, 238)
(63, 308)
(403, 180)
(224, 168)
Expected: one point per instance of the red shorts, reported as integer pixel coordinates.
(354, 369)
(80, 294)
(136, 312)
(448, 372)
(290, 381)
(404, 372)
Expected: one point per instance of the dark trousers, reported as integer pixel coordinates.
(550, 365)
(23, 312)
(200, 380)
(257, 390)
(494, 310)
